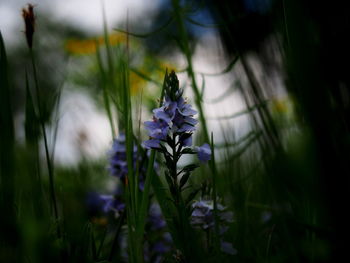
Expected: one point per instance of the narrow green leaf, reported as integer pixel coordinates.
(188, 151)
(190, 167)
(142, 212)
(184, 179)
(192, 195)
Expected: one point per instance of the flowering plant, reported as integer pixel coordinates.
(170, 132)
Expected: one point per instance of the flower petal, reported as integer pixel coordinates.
(204, 152)
(153, 143)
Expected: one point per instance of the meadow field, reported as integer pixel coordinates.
(177, 131)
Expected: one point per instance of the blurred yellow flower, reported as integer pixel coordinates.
(102, 221)
(280, 105)
(136, 83)
(89, 46)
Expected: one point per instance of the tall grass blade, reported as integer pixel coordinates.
(142, 212)
(46, 146)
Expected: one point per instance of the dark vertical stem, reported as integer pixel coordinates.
(115, 240)
(48, 159)
(214, 194)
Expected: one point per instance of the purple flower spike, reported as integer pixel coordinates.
(204, 153)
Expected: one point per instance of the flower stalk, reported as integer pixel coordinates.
(170, 133)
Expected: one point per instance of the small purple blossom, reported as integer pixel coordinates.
(204, 153)
(112, 203)
(155, 217)
(104, 204)
(202, 215)
(184, 108)
(159, 241)
(186, 139)
(118, 165)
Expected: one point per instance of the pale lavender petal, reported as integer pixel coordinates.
(204, 152)
(161, 114)
(150, 125)
(153, 143)
(186, 128)
(191, 120)
(187, 110)
(156, 134)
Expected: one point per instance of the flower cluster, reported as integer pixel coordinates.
(102, 204)
(159, 241)
(118, 166)
(114, 202)
(174, 119)
(203, 214)
(173, 116)
(203, 217)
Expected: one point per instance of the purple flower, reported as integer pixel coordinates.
(227, 248)
(186, 139)
(151, 144)
(112, 203)
(184, 108)
(204, 152)
(159, 242)
(157, 129)
(155, 218)
(118, 166)
(203, 215)
(183, 120)
(173, 118)
(105, 204)
(167, 111)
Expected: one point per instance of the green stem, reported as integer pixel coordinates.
(214, 173)
(187, 52)
(115, 240)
